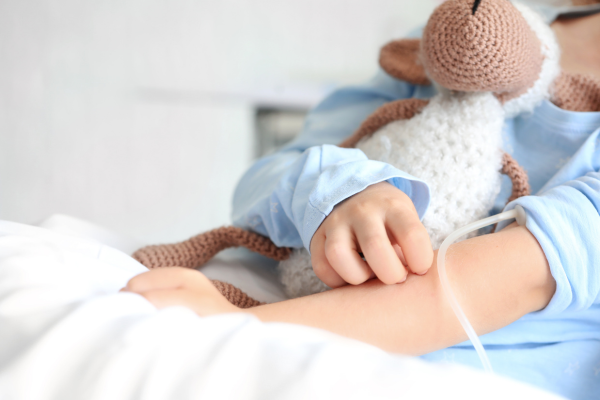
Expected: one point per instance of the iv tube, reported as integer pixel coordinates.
(517, 213)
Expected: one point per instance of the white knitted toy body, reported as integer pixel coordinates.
(454, 145)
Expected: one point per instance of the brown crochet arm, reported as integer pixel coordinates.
(389, 112)
(518, 176)
(196, 251)
(577, 92)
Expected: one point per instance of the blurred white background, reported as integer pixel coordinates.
(138, 115)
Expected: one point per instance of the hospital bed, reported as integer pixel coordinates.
(66, 332)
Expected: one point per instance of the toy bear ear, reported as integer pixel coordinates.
(401, 60)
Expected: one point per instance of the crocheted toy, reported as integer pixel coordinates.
(490, 60)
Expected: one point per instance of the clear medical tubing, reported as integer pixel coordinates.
(517, 213)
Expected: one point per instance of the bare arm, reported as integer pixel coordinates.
(497, 278)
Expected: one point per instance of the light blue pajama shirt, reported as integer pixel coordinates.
(288, 194)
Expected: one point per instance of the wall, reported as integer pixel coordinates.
(138, 115)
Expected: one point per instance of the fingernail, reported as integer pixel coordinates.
(403, 279)
(421, 274)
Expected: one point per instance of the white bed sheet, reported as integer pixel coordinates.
(254, 274)
(66, 333)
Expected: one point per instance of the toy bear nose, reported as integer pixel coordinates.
(481, 46)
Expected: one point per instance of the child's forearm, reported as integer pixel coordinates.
(497, 278)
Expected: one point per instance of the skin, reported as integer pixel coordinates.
(578, 39)
(497, 278)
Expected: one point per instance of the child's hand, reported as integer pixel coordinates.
(380, 222)
(176, 286)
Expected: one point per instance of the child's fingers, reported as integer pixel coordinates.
(378, 251)
(166, 278)
(321, 266)
(411, 235)
(341, 254)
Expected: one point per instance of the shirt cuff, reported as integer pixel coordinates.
(352, 178)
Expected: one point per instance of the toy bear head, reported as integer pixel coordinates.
(481, 46)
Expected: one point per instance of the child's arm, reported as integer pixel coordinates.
(497, 278)
(289, 194)
(551, 264)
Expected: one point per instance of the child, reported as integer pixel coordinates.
(536, 287)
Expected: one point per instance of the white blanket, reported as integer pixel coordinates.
(66, 333)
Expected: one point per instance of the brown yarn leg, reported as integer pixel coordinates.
(196, 251)
(235, 295)
(518, 176)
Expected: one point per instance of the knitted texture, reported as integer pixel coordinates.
(196, 251)
(461, 163)
(400, 59)
(453, 144)
(518, 177)
(576, 92)
(235, 296)
(491, 49)
(393, 111)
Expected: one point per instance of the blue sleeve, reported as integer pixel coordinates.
(565, 219)
(288, 194)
